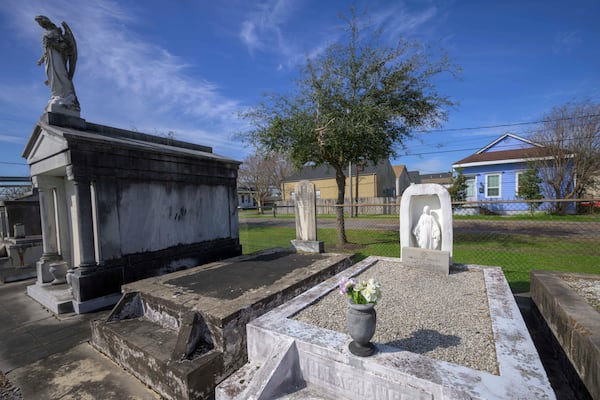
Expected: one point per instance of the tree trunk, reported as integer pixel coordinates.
(340, 179)
(259, 204)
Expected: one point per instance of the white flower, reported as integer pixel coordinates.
(371, 291)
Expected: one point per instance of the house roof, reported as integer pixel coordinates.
(414, 176)
(399, 170)
(504, 155)
(326, 171)
(501, 138)
(440, 177)
(485, 156)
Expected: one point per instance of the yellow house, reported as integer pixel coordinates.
(373, 181)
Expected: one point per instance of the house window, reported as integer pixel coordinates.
(292, 196)
(470, 194)
(517, 179)
(317, 194)
(492, 185)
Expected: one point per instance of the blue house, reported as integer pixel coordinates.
(493, 172)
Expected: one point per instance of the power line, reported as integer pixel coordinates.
(507, 125)
(12, 163)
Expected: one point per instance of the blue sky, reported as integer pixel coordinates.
(190, 66)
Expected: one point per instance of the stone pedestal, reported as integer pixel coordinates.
(56, 298)
(431, 260)
(308, 246)
(95, 288)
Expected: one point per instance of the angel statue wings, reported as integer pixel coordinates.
(60, 57)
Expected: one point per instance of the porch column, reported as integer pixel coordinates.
(85, 226)
(45, 187)
(48, 222)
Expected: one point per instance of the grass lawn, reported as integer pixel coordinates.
(516, 254)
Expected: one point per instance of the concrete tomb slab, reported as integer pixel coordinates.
(572, 319)
(185, 332)
(287, 356)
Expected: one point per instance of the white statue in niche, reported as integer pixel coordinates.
(427, 231)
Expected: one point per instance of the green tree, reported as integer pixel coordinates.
(356, 101)
(458, 189)
(530, 187)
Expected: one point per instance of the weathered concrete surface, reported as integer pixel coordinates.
(48, 357)
(83, 374)
(319, 358)
(185, 332)
(573, 322)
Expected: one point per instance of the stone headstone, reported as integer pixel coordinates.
(426, 227)
(306, 219)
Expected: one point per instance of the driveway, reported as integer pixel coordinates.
(536, 228)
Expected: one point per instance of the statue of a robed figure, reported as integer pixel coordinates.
(60, 57)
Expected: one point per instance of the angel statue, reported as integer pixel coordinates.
(60, 56)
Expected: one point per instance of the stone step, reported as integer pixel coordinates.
(152, 354)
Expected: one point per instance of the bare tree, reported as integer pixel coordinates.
(261, 174)
(571, 135)
(13, 192)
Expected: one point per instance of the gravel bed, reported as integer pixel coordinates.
(443, 317)
(7, 390)
(589, 289)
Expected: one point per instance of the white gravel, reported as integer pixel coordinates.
(443, 317)
(588, 288)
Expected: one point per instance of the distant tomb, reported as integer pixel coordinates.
(426, 227)
(20, 239)
(306, 219)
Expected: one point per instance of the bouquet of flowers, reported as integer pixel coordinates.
(365, 292)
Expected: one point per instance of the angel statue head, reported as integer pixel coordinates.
(60, 56)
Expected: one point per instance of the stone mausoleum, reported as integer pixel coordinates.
(117, 206)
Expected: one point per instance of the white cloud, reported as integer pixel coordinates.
(397, 21)
(261, 30)
(564, 42)
(12, 139)
(430, 166)
(123, 77)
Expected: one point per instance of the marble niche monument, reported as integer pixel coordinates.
(117, 205)
(426, 227)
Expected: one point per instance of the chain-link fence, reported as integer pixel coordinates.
(517, 236)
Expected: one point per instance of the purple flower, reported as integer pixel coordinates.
(346, 285)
